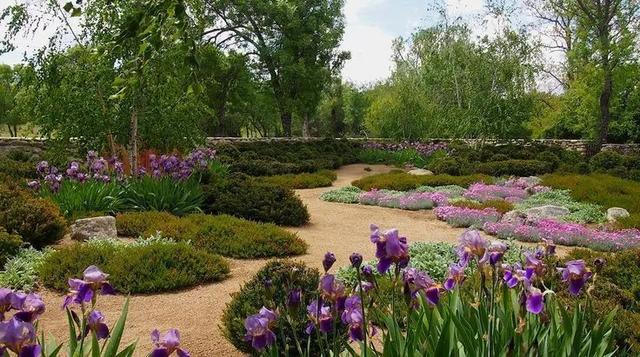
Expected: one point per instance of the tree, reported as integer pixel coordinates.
(7, 97)
(294, 44)
(608, 40)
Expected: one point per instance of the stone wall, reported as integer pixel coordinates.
(38, 145)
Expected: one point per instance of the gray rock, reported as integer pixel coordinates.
(548, 211)
(86, 228)
(513, 217)
(614, 213)
(532, 180)
(420, 172)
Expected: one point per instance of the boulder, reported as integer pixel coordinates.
(513, 217)
(420, 172)
(86, 228)
(548, 211)
(614, 213)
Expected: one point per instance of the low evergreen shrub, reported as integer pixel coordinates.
(514, 168)
(245, 197)
(9, 245)
(322, 178)
(272, 283)
(135, 268)
(224, 235)
(401, 181)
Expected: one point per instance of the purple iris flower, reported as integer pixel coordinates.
(549, 247)
(73, 170)
(42, 168)
(494, 253)
(352, 316)
(54, 181)
(19, 337)
(294, 298)
(91, 156)
(356, 260)
(420, 282)
(535, 299)
(455, 277)
(390, 248)
(6, 296)
(167, 344)
(34, 185)
(327, 262)
(331, 288)
(82, 291)
(533, 265)
(471, 244)
(96, 323)
(319, 315)
(365, 286)
(367, 272)
(576, 274)
(31, 306)
(513, 275)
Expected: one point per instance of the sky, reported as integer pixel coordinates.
(370, 28)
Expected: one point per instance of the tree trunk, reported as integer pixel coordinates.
(134, 141)
(305, 126)
(12, 133)
(285, 118)
(605, 115)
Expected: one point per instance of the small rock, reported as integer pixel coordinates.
(513, 217)
(548, 211)
(420, 172)
(86, 228)
(614, 213)
(532, 180)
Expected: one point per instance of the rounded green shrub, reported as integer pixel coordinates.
(38, 221)
(450, 166)
(606, 160)
(284, 276)
(135, 268)
(322, 178)
(9, 245)
(135, 224)
(245, 197)
(514, 168)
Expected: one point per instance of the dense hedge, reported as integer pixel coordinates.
(156, 267)
(284, 276)
(401, 181)
(515, 168)
(9, 245)
(602, 189)
(38, 221)
(225, 235)
(277, 158)
(246, 197)
(322, 178)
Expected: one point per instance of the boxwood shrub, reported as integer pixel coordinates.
(284, 276)
(135, 268)
(38, 221)
(246, 197)
(401, 181)
(515, 168)
(224, 235)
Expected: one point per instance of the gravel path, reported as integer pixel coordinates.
(340, 228)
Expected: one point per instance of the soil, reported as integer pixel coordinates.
(196, 312)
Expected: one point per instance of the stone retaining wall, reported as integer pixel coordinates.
(37, 145)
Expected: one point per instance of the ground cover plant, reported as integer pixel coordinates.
(253, 199)
(508, 305)
(322, 178)
(347, 194)
(20, 272)
(401, 181)
(145, 266)
(224, 235)
(580, 212)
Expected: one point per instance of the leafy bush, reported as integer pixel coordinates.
(77, 200)
(164, 194)
(606, 160)
(450, 166)
(322, 178)
(348, 194)
(225, 235)
(514, 168)
(601, 189)
(501, 206)
(283, 276)
(243, 196)
(21, 271)
(18, 169)
(135, 268)
(9, 245)
(36, 220)
(401, 181)
(580, 212)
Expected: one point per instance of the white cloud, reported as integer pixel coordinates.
(371, 51)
